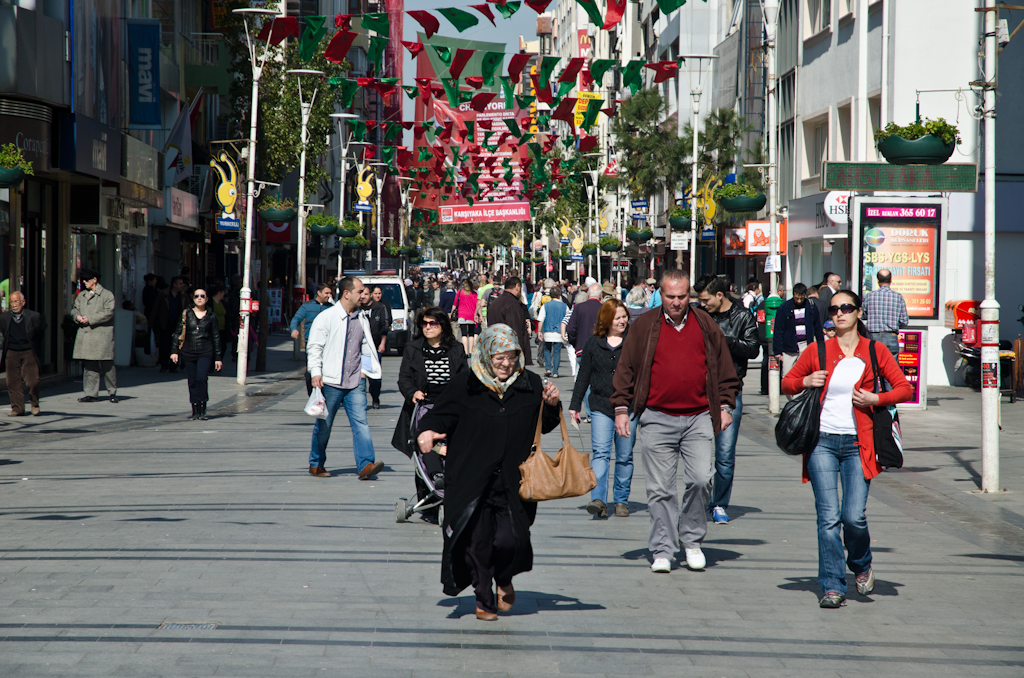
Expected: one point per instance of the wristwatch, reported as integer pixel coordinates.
(727, 409)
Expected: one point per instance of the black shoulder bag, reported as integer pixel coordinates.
(797, 429)
(886, 422)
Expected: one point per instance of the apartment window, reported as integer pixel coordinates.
(819, 15)
(846, 8)
(844, 118)
(815, 146)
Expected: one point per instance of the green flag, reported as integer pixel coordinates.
(391, 130)
(508, 9)
(444, 53)
(425, 155)
(411, 91)
(599, 68)
(631, 75)
(471, 131)
(311, 37)
(506, 86)
(564, 87)
(377, 22)
(547, 66)
(513, 127)
(524, 101)
(590, 7)
(358, 131)
(461, 19)
(593, 108)
(465, 96)
(348, 90)
(491, 62)
(375, 54)
(387, 154)
(451, 90)
(667, 6)
(526, 137)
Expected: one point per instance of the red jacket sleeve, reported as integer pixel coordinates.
(807, 363)
(901, 391)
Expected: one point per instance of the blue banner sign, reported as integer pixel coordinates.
(639, 217)
(639, 204)
(143, 73)
(576, 257)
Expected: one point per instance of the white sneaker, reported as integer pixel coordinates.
(695, 559)
(661, 565)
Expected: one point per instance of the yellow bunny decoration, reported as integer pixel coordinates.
(604, 221)
(705, 199)
(577, 239)
(365, 186)
(227, 190)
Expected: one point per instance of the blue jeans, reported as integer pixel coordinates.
(837, 459)
(725, 458)
(552, 356)
(602, 433)
(354, 400)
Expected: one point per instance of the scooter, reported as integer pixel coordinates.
(969, 361)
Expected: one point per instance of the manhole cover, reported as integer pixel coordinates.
(180, 626)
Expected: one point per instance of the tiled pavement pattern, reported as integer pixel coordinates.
(136, 543)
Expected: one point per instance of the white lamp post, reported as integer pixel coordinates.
(695, 94)
(257, 63)
(770, 10)
(306, 107)
(340, 118)
(379, 178)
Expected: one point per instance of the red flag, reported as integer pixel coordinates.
(427, 20)
(417, 133)
(343, 21)
(565, 111)
(366, 82)
(486, 11)
(664, 70)
(613, 15)
(337, 48)
(572, 70)
(484, 124)
(369, 152)
(555, 194)
(588, 144)
(476, 82)
(459, 61)
(424, 85)
(516, 65)
(481, 100)
(538, 6)
(279, 28)
(414, 48)
(543, 93)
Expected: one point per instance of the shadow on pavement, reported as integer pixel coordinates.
(527, 602)
(810, 585)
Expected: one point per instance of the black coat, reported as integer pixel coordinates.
(202, 335)
(412, 377)
(597, 367)
(507, 309)
(486, 433)
(740, 329)
(379, 315)
(34, 326)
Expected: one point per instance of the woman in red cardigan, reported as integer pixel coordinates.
(846, 450)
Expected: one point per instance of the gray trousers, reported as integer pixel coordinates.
(662, 439)
(91, 371)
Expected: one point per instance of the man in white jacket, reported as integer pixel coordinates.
(339, 353)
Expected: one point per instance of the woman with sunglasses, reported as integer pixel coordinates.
(845, 453)
(197, 343)
(430, 361)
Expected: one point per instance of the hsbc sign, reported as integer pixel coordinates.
(837, 207)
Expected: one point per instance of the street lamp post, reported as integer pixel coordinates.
(340, 118)
(250, 195)
(695, 94)
(305, 108)
(770, 10)
(378, 181)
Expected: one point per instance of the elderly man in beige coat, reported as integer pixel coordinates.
(93, 312)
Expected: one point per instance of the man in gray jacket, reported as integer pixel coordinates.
(93, 312)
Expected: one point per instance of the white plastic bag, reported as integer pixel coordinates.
(316, 406)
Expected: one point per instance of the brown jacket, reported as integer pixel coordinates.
(632, 380)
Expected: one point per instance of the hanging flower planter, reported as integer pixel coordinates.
(415, 260)
(639, 236)
(11, 177)
(277, 216)
(588, 250)
(348, 229)
(744, 203)
(13, 166)
(927, 150)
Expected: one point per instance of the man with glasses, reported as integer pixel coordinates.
(885, 313)
(21, 342)
(93, 312)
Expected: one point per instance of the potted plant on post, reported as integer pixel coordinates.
(920, 143)
(740, 198)
(589, 248)
(610, 243)
(356, 242)
(320, 224)
(639, 235)
(13, 166)
(277, 210)
(393, 249)
(679, 218)
(348, 228)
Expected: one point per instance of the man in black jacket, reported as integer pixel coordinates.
(21, 337)
(740, 330)
(379, 315)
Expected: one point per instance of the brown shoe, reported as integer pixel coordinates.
(483, 615)
(371, 469)
(506, 599)
(12, 413)
(320, 472)
(621, 510)
(35, 410)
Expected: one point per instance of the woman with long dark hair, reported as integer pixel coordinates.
(466, 303)
(845, 453)
(196, 342)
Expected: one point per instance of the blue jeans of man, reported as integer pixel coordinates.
(835, 461)
(552, 356)
(602, 435)
(354, 400)
(725, 459)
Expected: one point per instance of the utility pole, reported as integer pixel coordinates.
(770, 10)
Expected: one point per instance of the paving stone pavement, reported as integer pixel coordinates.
(136, 543)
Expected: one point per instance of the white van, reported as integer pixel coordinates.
(433, 267)
(393, 290)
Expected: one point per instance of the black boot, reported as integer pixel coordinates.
(202, 411)
(195, 411)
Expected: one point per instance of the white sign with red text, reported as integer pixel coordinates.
(485, 212)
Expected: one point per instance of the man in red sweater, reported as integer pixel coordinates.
(677, 373)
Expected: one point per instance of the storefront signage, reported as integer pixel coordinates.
(905, 240)
(89, 147)
(881, 176)
(759, 234)
(734, 242)
(490, 212)
(143, 73)
(910, 360)
(639, 204)
(836, 207)
(226, 193)
(31, 136)
(182, 208)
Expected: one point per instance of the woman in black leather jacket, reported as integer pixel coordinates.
(196, 341)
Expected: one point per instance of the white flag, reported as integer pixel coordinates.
(178, 151)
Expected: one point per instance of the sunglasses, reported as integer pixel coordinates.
(844, 309)
(430, 323)
(199, 296)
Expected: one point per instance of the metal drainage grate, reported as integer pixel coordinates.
(178, 626)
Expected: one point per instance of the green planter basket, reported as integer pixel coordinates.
(279, 216)
(346, 232)
(11, 178)
(744, 203)
(640, 236)
(611, 248)
(415, 260)
(319, 229)
(587, 251)
(926, 150)
(679, 223)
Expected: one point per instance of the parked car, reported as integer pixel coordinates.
(393, 294)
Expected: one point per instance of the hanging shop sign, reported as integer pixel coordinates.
(226, 193)
(758, 237)
(89, 147)
(734, 242)
(143, 73)
(639, 204)
(485, 212)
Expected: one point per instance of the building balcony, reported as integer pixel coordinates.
(30, 66)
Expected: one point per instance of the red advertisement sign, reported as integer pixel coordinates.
(905, 240)
(484, 212)
(909, 360)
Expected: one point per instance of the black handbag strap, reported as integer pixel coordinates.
(877, 384)
(822, 360)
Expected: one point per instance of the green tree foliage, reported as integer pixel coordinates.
(718, 143)
(652, 154)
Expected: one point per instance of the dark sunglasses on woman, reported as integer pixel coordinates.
(845, 309)
(429, 323)
(199, 296)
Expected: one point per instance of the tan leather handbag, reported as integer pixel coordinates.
(567, 475)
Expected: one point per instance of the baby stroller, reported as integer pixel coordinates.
(428, 467)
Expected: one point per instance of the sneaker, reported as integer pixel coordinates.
(695, 559)
(661, 565)
(547, 373)
(832, 600)
(866, 582)
(719, 515)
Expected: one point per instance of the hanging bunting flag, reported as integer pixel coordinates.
(598, 68)
(316, 29)
(590, 7)
(572, 70)
(513, 127)
(451, 90)
(459, 61)
(508, 9)
(377, 22)
(538, 6)
(369, 152)
(437, 90)
(547, 66)
(565, 111)
(481, 100)
(411, 91)
(506, 87)
(471, 134)
(543, 93)
(664, 70)
(375, 54)
(588, 144)
(358, 132)
(339, 45)
(613, 15)
(516, 65)
(459, 18)
(444, 54)
(486, 11)
(427, 20)
(348, 90)
(423, 84)
(668, 6)
(524, 101)
(414, 48)
(343, 22)
(283, 27)
(563, 88)
(593, 108)
(465, 96)
(631, 75)
(474, 81)
(391, 130)
(490, 64)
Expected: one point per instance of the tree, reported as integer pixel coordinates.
(718, 144)
(651, 151)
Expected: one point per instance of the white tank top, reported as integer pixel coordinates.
(837, 409)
